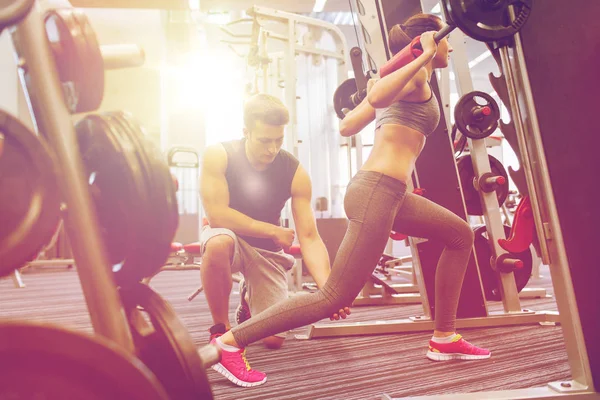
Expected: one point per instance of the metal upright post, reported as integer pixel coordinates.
(99, 290)
(481, 165)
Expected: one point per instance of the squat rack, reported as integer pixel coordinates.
(547, 224)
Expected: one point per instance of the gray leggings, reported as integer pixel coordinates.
(375, 204)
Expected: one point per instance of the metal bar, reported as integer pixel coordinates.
(559, 267)
(55, 262)
(283, 16)
(481, 165)
(210, 355)
(186, 267)
(147, 4)
(422, 324)
(546, 393)
(374, 29)
(444, 84)
(17, 279)
(517, 119)
(533, 293)
(117, 56)
(263, 55)
(324, 53)
(98, 287)
(276, 36)
(394, 299)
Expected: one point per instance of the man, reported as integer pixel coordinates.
(245, 185)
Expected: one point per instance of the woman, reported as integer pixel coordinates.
(376, 202)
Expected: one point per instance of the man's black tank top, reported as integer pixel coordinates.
(261, 195)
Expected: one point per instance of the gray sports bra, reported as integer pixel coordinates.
(422, 116)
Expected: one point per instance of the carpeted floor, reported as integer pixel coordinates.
(336, 368)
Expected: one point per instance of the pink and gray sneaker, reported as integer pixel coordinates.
(236, 368)
(458, 349)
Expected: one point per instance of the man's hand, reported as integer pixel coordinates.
(343, 313)
(284, 237)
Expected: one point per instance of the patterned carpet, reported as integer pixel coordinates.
(336, 368)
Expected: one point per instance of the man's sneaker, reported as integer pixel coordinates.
(236, 368)
(242, 313)
(216, 331)
(458, 349)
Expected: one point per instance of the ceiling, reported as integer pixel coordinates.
(296, 6)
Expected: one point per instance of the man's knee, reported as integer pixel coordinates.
(219, 250)
(273, 342)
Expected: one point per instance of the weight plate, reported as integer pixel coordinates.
(341, 97)
(29, 200)
(44, 361)
(160, 196)
(78, 58)
(476, 115)
(466, 173)
(117, 187)
(489, 277)
(487, 20)
(164, 344)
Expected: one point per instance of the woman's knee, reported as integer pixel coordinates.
(464, 236)
(219, 249)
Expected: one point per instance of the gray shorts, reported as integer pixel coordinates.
(265, 272)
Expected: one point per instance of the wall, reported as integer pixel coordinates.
(137, 90)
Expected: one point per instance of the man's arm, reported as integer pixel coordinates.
(314, 252)
(214, 193)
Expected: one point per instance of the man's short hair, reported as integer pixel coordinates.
(265, 108)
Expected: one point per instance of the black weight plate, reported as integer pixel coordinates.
(341, 97)
(481, 126)
(44, 361)
(29, 201)
(142, 260)
(115, 184)
(466, 173)
(161, 198)
(164, 344)
(485, 20)
(489, 277)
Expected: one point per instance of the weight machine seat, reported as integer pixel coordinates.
(176, 247)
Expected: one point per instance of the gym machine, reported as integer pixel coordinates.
(436, 173)
(282, 50)
(494, 179)
(527, 58)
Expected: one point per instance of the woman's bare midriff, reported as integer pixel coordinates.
(395, 151)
